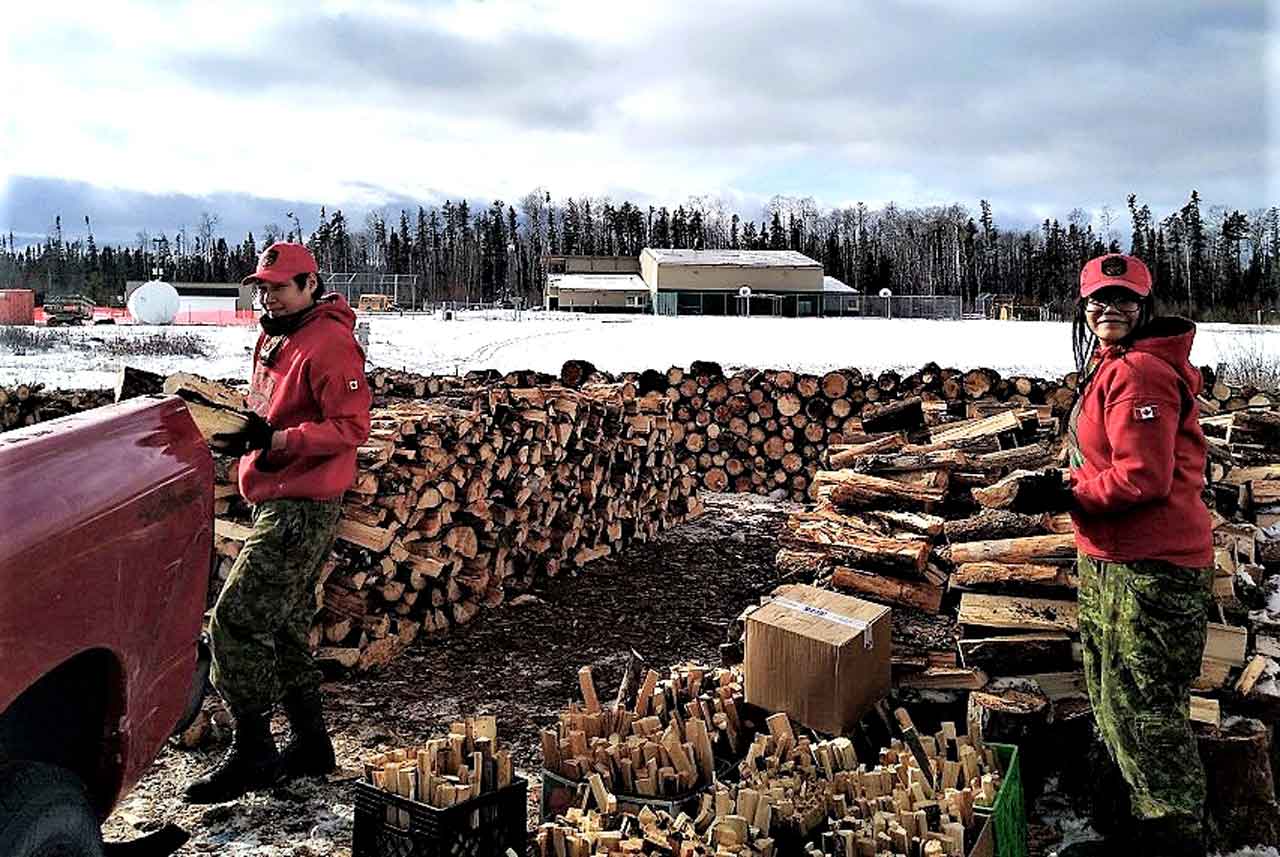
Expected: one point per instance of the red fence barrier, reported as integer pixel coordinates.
(120, 315)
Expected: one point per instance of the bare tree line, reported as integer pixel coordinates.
(1209, 262)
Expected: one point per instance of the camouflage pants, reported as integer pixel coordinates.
(261, 623)
(1143, 628)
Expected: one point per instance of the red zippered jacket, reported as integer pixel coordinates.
(1137, 430)
(310, 386)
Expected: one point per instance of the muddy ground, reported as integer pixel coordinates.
(671, 600)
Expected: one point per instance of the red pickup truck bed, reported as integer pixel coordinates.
(105, 546)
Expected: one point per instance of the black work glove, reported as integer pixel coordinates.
(255, 435)
(1057, 496)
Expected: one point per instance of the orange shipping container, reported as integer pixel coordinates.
(17, 306)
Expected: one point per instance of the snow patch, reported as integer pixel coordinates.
(542, 341)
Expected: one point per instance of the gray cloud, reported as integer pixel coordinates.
(531, 78)
(1044, 105)
(29, 205)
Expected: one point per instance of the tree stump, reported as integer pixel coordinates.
(1015, 711)
(1241, 789)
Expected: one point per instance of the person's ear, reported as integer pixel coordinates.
(312, 283)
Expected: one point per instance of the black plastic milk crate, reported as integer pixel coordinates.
(560, 793)
(485, 826)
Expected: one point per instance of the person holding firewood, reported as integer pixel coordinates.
(1137, 458)
(298, 457)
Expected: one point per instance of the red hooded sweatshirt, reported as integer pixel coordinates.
(1137, 430)
(310, 386)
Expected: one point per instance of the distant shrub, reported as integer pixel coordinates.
(151, 345)
(1250, 363)
(23, 340)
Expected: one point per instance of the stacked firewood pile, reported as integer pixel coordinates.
(766, 431)
(660, 737)
(28, 404)
(906, 513)
(455, 505)
(917, 797)
(955, 520)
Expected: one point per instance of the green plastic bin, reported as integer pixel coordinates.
(1009, 815)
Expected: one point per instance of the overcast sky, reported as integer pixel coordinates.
(141, 115)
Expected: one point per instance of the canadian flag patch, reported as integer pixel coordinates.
(1146, 412)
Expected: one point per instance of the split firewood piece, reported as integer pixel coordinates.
(990, 524)
(629, 688)
(1224, 650)
(979, 574)
(216, 408)
(779, 726)
(1031, 549)
(1028, 614)
(902, 415)
(921, 595)
(862, 491)
(993, 425)
(849, 545)
(1251, 674)
(844, 455)
(1033, 457)
(1025, 491)
(679, 758)
(912, 522)
(1018, 654)
(1206, 710)
(913, 462)
(588, 685)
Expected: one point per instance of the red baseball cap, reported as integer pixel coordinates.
(281, 262)
(1115, 269)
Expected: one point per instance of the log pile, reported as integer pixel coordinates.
(766, 431)
(443, 772)
(1244, 484)
(960, 514)
(455, 505)
(902, 513)
(917, 797)
(660, 737)
(27, 404)
(981, 546)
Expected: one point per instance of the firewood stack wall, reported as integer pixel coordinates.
(27, 404)
(464, 498)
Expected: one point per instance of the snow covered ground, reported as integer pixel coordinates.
(85, 357)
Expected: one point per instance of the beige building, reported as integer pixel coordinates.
(733, 282)
(598, 293)
(592, 264)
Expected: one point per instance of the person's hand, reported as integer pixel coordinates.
(257, 434)
(1057, 496)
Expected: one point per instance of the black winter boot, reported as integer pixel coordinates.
(309, 752)
(252, 763)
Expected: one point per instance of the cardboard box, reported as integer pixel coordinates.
(820, 656)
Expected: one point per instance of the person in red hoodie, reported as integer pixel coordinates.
(1145, 544)
(298, 455)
